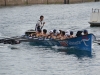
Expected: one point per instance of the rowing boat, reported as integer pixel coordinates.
(83, 42)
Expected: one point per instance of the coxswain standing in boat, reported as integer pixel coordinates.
(39, 24)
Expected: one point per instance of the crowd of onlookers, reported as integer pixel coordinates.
(58, 34)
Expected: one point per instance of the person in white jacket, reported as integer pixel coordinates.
(40, 24)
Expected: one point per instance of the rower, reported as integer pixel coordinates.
(58, 34)
(79, 33)
(85, 32)
(67, 33)
(54, 32)
(71, 34)
(63, 36)
(39, 33)
(44, 34)
(52, 35)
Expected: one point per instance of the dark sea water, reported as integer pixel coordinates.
(23, 59)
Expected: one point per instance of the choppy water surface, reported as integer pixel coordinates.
(24, 59)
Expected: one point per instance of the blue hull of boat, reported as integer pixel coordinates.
(80, 43)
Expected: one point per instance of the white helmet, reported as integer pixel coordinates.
(51, 31)
(67, 33)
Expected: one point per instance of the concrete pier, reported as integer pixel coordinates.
(25, 2)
